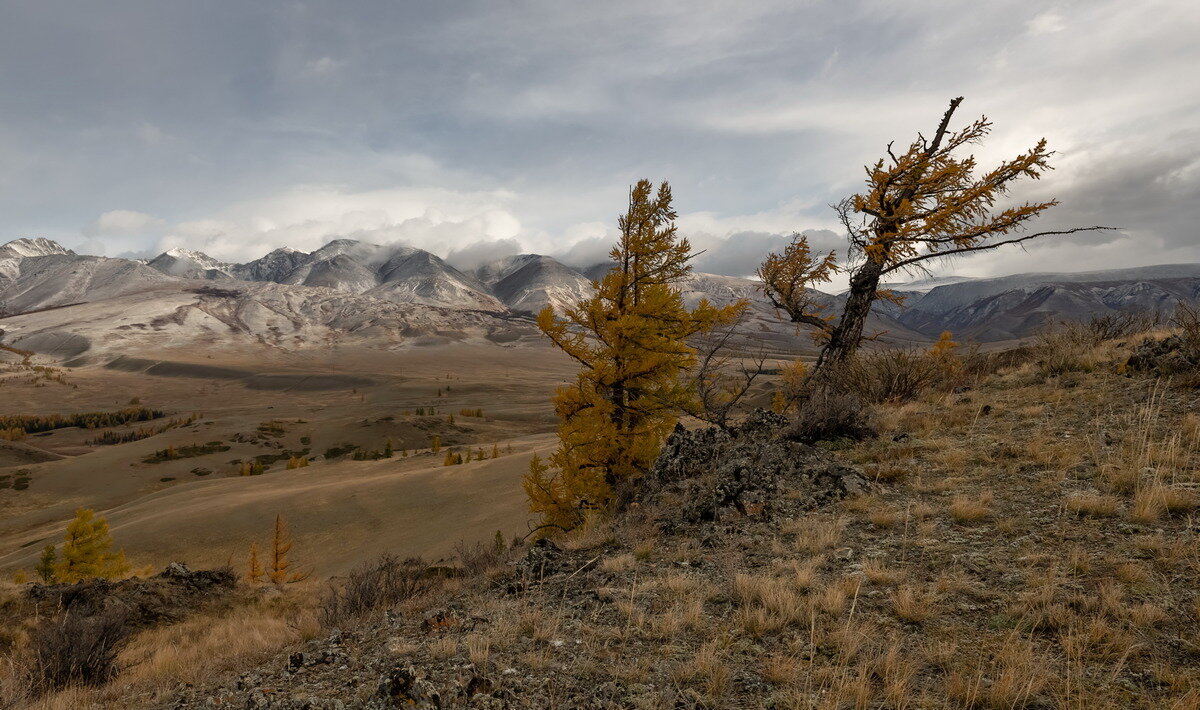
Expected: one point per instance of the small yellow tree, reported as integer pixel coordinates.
(630, 340)
(254, 571)
(944, 347)
(46, 563)
(87, 550)
(281, 544)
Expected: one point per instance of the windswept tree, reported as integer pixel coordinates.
(630, 340)
(926, 203)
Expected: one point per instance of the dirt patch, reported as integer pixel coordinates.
(252, 380)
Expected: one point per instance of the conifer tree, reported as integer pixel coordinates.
(630, 340)
(388, 451)
(923, 204)
(495, 451)
(46, 563)
(945, 345)
(87, 550)
(254, 570)
(435, 443)
(281, 544)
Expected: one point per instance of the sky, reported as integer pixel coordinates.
(481, 129)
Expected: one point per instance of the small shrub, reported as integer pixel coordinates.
(75, 649)
(1064, 348)
(829, 417)
(891, 375)
(383, 583)
(1114, 326)
(480, 557)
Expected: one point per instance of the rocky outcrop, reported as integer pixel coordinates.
(168, 596)
(1168, 356)
(710, 471)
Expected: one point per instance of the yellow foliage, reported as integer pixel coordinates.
(87, 550)
(630, 341)
(792, 376)
(944, 347)
(281, 544)
(254, 571)
(786, 280)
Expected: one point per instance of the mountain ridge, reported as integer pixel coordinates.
(285, 297)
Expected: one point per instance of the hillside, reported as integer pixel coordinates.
(1020, 535)
(1018, 306)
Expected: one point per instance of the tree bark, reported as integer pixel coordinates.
(847, 335)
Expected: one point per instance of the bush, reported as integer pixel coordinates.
(1113, 326)
(1065, 348)
(829, 417)
(481, 557)
(375, 585)
(892, 375)
(76, 649)
(1187, 320)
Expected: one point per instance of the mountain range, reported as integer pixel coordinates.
(54, 300)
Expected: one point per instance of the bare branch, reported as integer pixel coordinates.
(993, 245)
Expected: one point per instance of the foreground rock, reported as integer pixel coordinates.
(166, 597)
(711, 471)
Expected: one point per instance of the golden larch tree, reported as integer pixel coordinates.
(254, 569)
(928, 202)
(87, 550)
(281, 544)
(630, 340)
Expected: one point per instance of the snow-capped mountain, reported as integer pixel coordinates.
(530, 282)
(13, 252)
(395, 296)
(190, 265)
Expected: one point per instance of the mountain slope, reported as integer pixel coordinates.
(189, 264)
(61, 279)
(531, 282)
(1018, 306)
(12, 253)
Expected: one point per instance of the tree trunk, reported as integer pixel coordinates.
(847, 336)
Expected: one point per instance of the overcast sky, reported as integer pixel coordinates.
(477, 129)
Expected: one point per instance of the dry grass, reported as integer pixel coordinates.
(814, 534)
(1096, 506)
(914, 604)
(971, 509)
(878, 572)
(618, 564)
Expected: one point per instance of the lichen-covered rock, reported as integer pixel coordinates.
(746, 469)
(168, 596)
(1168, 356)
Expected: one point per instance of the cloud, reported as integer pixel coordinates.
(449, 125)
(124, 223)
(95, 247)
(476, 254)
(306, 218)
(323, 66)
(1048, 22)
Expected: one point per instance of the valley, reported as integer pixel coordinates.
(270, 407)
